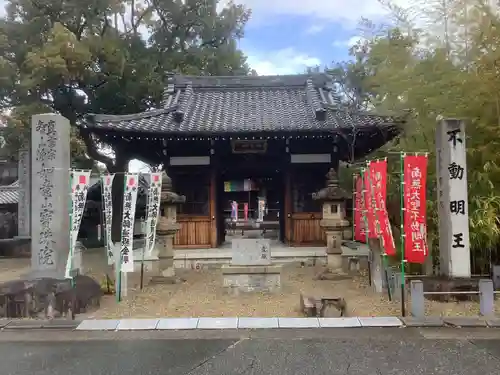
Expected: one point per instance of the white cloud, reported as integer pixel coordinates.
(346, 12)
(315, 29)
(285, 61)
(353, 40)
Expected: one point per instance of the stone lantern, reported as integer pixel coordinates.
(333, 220)
(166, 229)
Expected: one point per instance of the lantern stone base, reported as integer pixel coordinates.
(334, 262)
(334, 248)
(247, 279)
(164, 272)
(163, 268)
(150, 262)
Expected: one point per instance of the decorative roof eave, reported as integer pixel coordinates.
(387, 120)
(179, 81)
(106, 123)
(91, 119)
(313, 100)
(184, 104)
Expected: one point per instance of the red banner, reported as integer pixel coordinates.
(359, 224)
(369, 207)
(378, 173)
(415, 228)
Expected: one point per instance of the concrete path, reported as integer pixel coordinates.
(262, 352)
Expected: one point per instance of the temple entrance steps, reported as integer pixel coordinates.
(206, 258)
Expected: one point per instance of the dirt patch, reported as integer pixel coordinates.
(202, 295)
(13, 268)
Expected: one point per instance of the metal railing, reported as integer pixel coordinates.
(485, 292)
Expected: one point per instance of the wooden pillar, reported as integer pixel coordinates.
(288, 206)
(213, 208)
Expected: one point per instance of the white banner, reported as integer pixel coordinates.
(153, 210)
(128, 220)
(106, 186)
(79, 187)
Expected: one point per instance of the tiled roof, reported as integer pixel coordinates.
(216, 105)
(9, 195)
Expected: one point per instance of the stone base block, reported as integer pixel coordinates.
(151, 265)
(334, 261)
(165, 280)
(245, 279)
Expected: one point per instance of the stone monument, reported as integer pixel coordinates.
(50, 164)
(165, 231)
(251, 268)
(454, 245)
(333, 219)
(24, 191)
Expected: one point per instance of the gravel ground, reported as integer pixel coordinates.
(202, 295)
(11, 268)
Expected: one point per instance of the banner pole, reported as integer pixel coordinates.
(365, 221)
(119, 257)
(402, 208)
(354, 195)
(144, 235)
(381, 240)
(70, 227)
(104, 230)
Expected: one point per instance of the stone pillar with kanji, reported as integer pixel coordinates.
(165, 231)
(333, 220)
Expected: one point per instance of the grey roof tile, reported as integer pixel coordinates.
(9, 195)
(216, 105)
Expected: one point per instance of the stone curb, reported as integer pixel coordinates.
(23, 324)
(244, 323)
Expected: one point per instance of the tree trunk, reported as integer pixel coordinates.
(119, 165)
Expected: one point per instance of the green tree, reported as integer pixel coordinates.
(75, 57)
(107, 56)
(451, 71)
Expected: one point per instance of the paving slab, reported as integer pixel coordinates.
(137, 324)
(61, 324)
(430, 321)
(465, 322)
(379, 321)
(298, 322)
(493, 322)
(177, 323)
(98, 325)
(256, 323)
(218, 323)
(4, 322)
(339, 322)
(25, 324)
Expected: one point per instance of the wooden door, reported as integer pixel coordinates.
(306, 229)
(194, 232)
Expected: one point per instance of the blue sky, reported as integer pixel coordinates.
(286, 36)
